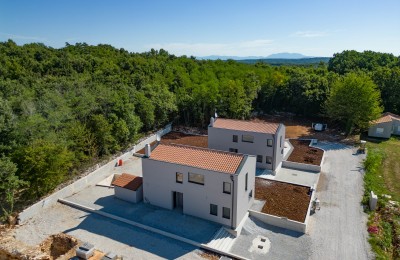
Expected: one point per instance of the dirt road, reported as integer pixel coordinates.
(338, 229)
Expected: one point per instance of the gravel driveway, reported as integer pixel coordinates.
(338, 230)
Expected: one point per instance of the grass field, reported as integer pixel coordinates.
(383, 177)
(387, 177)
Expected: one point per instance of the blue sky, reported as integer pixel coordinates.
(200, 28)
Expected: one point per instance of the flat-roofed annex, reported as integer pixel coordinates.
(203, 158)
(248, 126)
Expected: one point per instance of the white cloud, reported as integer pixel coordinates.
(310, 34)
(244, 48)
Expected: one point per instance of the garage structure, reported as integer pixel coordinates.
(128, 187)
(385, 126)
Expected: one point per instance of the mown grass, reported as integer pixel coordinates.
(383, 177)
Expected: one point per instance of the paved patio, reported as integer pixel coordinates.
(102, 198)
(305, 178)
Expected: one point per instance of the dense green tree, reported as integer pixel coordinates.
(354, 101)
(10, 185)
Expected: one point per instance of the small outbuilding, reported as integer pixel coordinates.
(128, 187)
(385, 126)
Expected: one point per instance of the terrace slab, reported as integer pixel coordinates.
(172, 221)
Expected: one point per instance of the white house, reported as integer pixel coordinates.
(264, 140)
(385, 126)
(128, 187)
(209, 184)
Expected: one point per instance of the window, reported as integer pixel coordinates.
(379, 130)
(248, 138)
(196, 178)
(214, 209)
(235, 138)
(269, 160)
(269, 142)
(246, 181)
(398, 129)
(227, 188)
(282, 151)
(251, 194)
(179, 177)
(280, 142)
(233, 150)
(226, 212)
(259, 158)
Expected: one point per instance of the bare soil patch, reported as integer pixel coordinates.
(283, 199)
(300, 127)
(182, 138)
(303, 153)
(59, 245)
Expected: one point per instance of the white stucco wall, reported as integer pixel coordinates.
(129, 195)
(396, 127)
(242, 198)
(159, 183)
(387, 130)
(222, 139)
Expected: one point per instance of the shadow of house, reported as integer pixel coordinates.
(132, 237)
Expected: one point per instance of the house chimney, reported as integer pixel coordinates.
(212, 121)
(147, 150)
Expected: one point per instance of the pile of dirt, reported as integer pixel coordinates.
(209, 255)
(59, 245)
(303, 153)
(283, 199)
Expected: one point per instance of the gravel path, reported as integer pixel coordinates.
(105, 234)
(338, 230)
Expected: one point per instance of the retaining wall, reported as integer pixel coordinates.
(279, 221)
(302, 166)
(92, 178)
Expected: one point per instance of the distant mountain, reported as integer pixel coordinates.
(217, 57)
(286, 55)
(283, 55)
(296, 62)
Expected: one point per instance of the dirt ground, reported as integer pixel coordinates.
(283, 199)
(182, 138)
(303, 153)
(300, 127)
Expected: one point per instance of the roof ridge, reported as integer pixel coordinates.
(248, 121)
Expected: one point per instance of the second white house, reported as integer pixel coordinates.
(210, 184)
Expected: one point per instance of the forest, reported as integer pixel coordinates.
(64, 109)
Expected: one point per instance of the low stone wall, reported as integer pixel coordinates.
(301, 166)
(91, 179)
(279, 221)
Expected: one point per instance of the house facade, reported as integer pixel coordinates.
(385, 126)
(264, 140)
(209, 184)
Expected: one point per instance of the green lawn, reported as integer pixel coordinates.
(383, 177)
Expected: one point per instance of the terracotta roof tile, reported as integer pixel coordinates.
(241, 125)
(128, 181)
(386, 117)
(198, 157)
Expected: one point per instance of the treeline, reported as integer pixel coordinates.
(61, 109)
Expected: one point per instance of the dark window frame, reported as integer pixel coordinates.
(230, 187)
(266, 158)
(246, 181)
(246, 141)
(176, 177)
(268, 142)
(224, 211)
(233, 150)
(195, 182)
(235, 138)
(259, 157)
(211, 209)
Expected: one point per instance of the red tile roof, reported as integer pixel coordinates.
(128, 181)
(386, 117)
(198, 157)
(249, 126)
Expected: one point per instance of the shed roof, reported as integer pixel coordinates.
(198, 157)
(386, 117)
(249, 126)
(128, 181)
